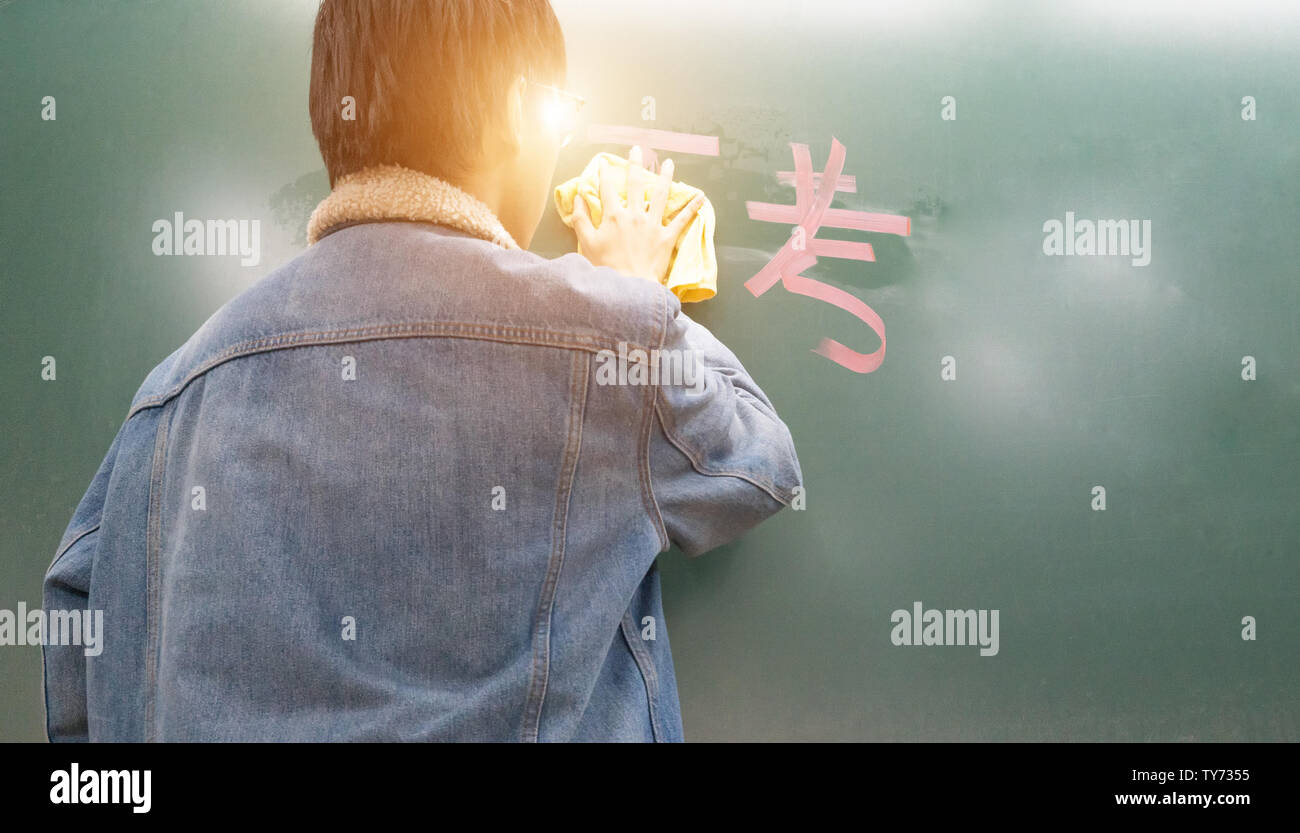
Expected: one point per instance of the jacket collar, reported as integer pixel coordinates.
(391, 192)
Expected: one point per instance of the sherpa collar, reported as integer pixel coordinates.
(391, 192)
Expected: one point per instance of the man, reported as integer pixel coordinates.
(383, 494)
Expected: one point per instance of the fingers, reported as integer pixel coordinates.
(685, 216)
(659, 200)
(609, 199)
(582, 225)
(636, 181)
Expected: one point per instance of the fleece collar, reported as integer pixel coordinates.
(391, 192)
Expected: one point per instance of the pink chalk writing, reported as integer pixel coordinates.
(652, 140)
(809, 214)
(848, 184)
(834, 218)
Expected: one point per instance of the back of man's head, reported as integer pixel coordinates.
(428, 78)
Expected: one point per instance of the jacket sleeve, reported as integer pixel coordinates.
(67, 587)
(721, 459)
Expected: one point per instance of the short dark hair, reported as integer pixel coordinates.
(428, 77)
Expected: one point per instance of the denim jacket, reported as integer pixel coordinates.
(410, 487)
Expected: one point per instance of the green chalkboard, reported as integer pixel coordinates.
(1018, 391)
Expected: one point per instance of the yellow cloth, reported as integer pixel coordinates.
(693, 273)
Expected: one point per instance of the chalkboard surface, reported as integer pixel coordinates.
(1103, 453)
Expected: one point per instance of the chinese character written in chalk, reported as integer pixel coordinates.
(811, 211)
(652, 140)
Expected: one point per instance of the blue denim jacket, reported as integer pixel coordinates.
(388, 493)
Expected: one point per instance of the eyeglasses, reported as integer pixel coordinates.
(560, 110)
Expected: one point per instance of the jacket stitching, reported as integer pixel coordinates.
(420, 329)
(644, 663)
(153, 546)
(702, 469)
(643, 453)
(76, 536)
(45, 669)
(540, 671)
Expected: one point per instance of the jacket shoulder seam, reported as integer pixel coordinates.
(693, 457)
(76, 536)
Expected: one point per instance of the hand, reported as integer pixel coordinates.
(632, 237)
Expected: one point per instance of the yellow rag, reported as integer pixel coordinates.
(693, 274)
